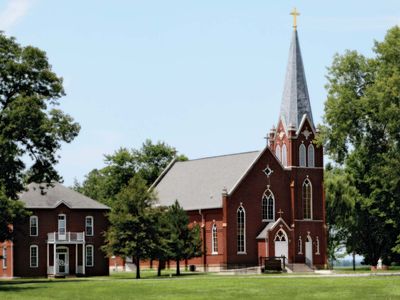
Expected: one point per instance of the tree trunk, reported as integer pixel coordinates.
(159, 268)
(354, 260)
(178, 271)
(137, 267)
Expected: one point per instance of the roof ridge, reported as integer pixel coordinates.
(216, 156)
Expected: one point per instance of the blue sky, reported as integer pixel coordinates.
(204, 76)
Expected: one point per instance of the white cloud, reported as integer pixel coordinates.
(13, 12)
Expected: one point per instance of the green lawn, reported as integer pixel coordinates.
(122, 286)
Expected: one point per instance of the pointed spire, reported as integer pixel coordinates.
(295, 99)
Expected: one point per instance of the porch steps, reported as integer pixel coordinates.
(299, 268)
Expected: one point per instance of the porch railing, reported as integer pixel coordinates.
(68, 237)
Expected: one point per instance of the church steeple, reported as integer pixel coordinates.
(295, 99)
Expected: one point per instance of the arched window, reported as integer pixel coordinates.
(311, 155)
(241, 230)
(302, 155)
(307, 199)
(278, 152)
(280, 236)
(214, 240)
(284, 155)
(268, 206)
(300, 245)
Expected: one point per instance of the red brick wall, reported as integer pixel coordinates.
(8, 270)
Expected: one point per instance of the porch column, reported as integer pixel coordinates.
(47, 270)
(76, 258)
(54, 256)
(83, 259)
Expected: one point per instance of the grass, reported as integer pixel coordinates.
(202, 286)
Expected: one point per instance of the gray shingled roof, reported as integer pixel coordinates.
(51, 197)
(295, 99)
(199, 183)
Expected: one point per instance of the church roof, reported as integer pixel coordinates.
(198, 183)
(41, 196)
(295, 100)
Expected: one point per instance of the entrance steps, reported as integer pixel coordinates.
(299, 268)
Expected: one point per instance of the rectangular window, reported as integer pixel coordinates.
(33, 225)
(89, 225)
(89, 256)
(34, 256)
(4, 257)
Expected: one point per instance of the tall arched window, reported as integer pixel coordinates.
(241, 230)
(214, 240)
(302, 155)
(278, 152)
(307, 199)
(300, 246)
(284, 155)
(268, 206)
(311, 155)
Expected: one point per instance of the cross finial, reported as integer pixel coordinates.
(280, 212)
(295, 13)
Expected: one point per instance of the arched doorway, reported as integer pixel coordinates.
(309, 254)
(281, 244)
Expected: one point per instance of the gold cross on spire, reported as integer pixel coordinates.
(295, 13)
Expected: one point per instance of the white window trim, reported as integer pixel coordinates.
(273, 206)
(302, 156)
(300, 245)
(4, 254)
(30, 225)
(89, 217)
(37, 256)
(214, 231)
(65, 223)
(311, 163)
(311, 202)
(244, 230)
(86, 256)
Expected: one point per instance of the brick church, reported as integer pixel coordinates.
(267, 203)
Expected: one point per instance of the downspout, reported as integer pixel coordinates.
(203, 229)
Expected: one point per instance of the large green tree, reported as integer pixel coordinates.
(361, 133)
(133, 228)
(32, 128)
(184, 242)
(148, 161)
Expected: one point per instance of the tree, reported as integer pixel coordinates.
(122, 165)
(185, 242)
(32, 129)
(152, 159)
(133, 223)
(340, 201)
(361, 133)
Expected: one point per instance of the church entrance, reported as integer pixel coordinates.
(281, 244)
(309, 256)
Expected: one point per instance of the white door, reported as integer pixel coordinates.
(281, 244)
(309, 254)
(62, 227)
(62, 261)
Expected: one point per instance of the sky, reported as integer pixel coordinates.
(203, 76)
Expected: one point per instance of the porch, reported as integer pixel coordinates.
(66, 253)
